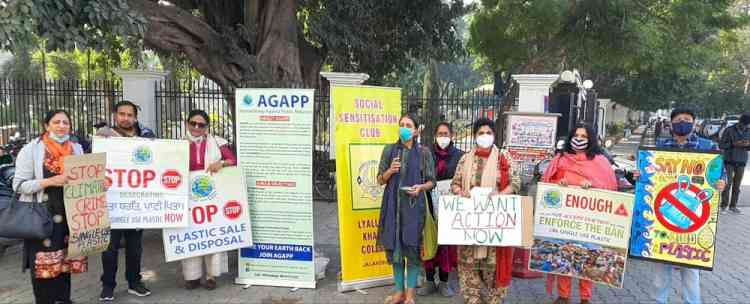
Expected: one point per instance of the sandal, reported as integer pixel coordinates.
(390, 300)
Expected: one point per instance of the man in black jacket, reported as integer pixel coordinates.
(735, 142)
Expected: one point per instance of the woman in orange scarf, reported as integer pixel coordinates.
(39, 178)
(581, 164)
(484, 166)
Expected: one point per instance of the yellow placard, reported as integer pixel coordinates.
(676, 208)
(366, 119)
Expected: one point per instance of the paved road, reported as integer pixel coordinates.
(728, 283)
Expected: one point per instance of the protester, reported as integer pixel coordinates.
(39, 178)
(735, 142)
(210, 153)
(446, 157)
(407, 170)
(484, 166)
(582, 164)
(683, 137)
(126, 125)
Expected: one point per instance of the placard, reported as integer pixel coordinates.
(85, 198)
(581, 233)
(442, 188)
(148, 181)
(275, 149)
(219, 216)
(499, 220)
(677, 207)
(531, 130)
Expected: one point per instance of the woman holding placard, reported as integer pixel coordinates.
(210, 153)
(483, 167)
(39, 178)
(582, 164)
(446, 157)
(407, 170)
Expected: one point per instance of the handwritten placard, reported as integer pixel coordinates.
(499, 220)
(85, 198)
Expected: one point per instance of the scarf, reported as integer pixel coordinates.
(503, 255)
(213, 146)
(395, 216)
(575, 167)
(442, 156)
(55, 153)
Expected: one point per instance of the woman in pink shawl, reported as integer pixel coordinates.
(580, 164)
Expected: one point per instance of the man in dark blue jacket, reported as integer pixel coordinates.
(126, 125)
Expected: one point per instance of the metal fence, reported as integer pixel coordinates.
(23, 104)
(175, 99)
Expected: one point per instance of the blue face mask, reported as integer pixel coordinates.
(59, 139)
(682, 128)
(405, 134)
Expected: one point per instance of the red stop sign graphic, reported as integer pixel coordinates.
(667, 195)
(171, 179)
(232, 210)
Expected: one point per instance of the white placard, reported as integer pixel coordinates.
(219, 217)
(148, 181)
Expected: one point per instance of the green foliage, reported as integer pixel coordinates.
(68, 24)
(642, 53)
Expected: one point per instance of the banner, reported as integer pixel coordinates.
(219, 217)
(534, 130)
(86, 204)
(274, 147)
(500, 220)
(148, 190)
(524, 159)
(442, 188)
(676, 207)
(366, 120)
(581, 233)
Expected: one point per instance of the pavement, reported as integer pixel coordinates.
(729, 282)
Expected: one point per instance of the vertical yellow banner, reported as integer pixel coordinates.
(366, 120)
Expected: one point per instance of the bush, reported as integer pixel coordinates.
(615, 129)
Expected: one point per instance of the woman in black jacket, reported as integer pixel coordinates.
(446, 157)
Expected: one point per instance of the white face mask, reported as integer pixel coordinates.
(485, 141)
(192, 138)
(443, 142)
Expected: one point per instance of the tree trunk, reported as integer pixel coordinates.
(278, 40)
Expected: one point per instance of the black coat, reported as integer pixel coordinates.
(455, 156)
(728, 143)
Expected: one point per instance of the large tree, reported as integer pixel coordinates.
(236, 41)
(646, 53)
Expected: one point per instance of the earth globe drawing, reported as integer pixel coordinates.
(202, 187)
(552, 199)
(142, 155)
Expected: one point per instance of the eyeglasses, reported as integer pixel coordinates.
(198, 125)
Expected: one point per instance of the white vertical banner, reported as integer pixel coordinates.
(274, 149)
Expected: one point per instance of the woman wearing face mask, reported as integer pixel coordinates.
(39, 178)
(484, 166)
(407, 170)
(582, 164)
(446, 157)
(209, 153)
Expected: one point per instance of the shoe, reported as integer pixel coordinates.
(210, 284)
(108, 294)
(192, 284)
(735, 210)
(139, 290)
(561, 300)
(723, 210)
(428, 289)
(446, 290)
